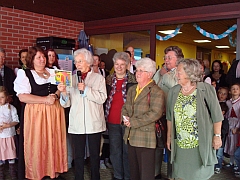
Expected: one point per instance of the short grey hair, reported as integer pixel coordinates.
(122, 56)
(2, 50)
(147, 64)
(87, 54)
(192, 68)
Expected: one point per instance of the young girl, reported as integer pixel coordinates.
(222, 94)
(233, 116)
(8, 119)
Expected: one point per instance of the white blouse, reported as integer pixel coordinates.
(8, 115)
(22, 84)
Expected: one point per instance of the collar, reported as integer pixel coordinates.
(173, 69)
(138, 90)
(235, 100)
(200, 86)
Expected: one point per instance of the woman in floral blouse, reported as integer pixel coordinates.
(194, 123)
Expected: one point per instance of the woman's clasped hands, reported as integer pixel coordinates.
(50, 99)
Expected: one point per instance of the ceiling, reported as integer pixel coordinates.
(92, 10)
(189, 33)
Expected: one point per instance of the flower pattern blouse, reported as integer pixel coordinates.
(185, 112)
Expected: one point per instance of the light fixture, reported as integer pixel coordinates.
(235, 52)
(222, 47)
(201, 41)
(168, 32)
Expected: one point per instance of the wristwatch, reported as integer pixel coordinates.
(56, 96)
(218, 135)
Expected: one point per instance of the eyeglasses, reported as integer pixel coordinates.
(78, 62)
(168, 57)
(140, 71)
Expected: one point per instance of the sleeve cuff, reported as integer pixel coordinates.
(63, 99)
(85, 92)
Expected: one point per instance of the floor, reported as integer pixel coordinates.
(106, 174)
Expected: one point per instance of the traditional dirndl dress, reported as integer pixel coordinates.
(44, 135)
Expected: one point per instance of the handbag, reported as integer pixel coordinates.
(160, 130)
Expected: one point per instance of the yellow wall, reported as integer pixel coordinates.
(189, 51)
(109, 41)
(143, 44)
(115, 41)
(224, 57)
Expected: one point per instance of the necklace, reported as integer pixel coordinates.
(216, 76)
(42, 74)
(186, 92)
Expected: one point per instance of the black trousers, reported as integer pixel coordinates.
(158, 160)
(169, 166)
(79, 142)
(21, 160)
(141, 163)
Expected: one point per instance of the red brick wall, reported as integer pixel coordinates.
(19, 29)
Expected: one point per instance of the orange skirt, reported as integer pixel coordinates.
(7, 148)
(45, 149)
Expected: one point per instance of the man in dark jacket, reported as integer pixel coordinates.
(7, 78)
(233, 76)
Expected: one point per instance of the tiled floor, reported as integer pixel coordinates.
(106, 174)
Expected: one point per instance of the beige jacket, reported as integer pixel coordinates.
(86, 114)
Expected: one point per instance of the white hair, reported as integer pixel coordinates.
(87, 54)
(147, 64)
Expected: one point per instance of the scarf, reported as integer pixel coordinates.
(113, 91)
(84, 75)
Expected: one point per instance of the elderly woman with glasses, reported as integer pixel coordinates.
(166, 79)
(86, 117)
(144, 105)
(194, 123)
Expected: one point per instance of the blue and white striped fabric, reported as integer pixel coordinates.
(169, 35)
(214, 36)
(233, 44)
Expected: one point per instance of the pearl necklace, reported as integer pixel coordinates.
(186, 92)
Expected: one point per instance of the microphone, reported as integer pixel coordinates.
(79, 75)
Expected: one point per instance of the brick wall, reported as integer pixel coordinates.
(19, 29)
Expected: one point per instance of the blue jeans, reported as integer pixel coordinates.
(237, 156)
(220, 158)
(118, 151)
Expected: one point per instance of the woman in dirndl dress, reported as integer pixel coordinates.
(43, 132)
